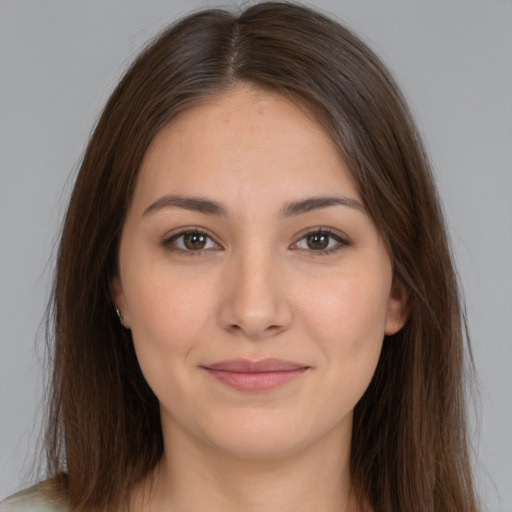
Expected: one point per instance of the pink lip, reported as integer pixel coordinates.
(263, 375)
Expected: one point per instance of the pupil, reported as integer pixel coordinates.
(318, 241)
(194, 241)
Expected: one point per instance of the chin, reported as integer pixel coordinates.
(260, 447)
(261, 437)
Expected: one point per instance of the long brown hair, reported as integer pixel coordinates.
(409, 447)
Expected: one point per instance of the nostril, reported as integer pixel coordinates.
(271, 330)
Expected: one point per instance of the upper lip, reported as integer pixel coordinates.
(248, 366)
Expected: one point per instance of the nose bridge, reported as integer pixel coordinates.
(254, 304)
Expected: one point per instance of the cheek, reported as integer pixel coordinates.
(348, 308)
(167, 315)
(347, 321)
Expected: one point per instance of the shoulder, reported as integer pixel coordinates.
(39, 498)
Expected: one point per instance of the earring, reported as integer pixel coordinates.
(119, 315)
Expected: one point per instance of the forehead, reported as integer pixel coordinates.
(241, 141)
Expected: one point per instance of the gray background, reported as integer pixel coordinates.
(58, 62)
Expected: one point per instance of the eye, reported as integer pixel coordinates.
(320, 241)
(192, 240)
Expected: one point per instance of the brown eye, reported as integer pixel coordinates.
(190, 241)
(195, 241)
(318, 241)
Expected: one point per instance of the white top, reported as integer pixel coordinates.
(32, 500)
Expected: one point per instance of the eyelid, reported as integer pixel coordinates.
(167, 242)
(341, 238)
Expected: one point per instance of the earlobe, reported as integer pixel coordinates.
(119, 300)
(398, 307)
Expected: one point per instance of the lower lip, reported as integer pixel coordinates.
(256, 381)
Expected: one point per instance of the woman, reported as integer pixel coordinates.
(255, 306)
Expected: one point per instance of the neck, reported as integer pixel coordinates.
(194, 477)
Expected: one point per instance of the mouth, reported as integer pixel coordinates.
(263, 375)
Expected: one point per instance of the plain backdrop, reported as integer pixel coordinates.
(59, 60)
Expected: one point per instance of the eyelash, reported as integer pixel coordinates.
(169, 243)
(340, 242)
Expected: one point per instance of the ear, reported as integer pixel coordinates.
(119, 300)
(398, 307)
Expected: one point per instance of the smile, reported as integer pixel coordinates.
(264, 375)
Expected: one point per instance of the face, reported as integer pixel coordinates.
(256, 287)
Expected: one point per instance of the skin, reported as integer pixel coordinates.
(256, 290)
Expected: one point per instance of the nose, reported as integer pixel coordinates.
(254, 301)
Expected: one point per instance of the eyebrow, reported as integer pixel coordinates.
(315, 203)
(196, 204)
(209, 207)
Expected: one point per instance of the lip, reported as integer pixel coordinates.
(262, 375)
